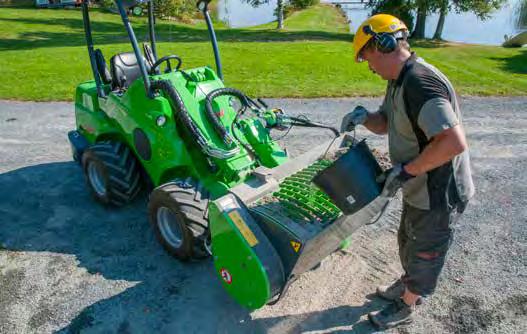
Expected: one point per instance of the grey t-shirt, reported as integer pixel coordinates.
(420, 104)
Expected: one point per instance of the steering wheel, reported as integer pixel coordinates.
(167, 60)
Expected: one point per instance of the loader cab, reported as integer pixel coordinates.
(125, 68)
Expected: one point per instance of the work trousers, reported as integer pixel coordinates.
(424, 238)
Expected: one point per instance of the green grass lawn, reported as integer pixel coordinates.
(43, 56)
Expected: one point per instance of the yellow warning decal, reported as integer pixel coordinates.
(296, 245)
(243, 228)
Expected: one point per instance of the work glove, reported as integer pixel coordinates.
(394, 179)
(357, 117)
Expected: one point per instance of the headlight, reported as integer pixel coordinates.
(161, 120)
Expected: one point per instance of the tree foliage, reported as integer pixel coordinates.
(482, 8)
(404, 9)
(521, 22)
(169, 9)
(401, 9)
(179, 9)
(303, 4)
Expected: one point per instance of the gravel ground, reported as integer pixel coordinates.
(70, 265)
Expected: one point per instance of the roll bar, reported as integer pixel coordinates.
(121, 4)
(203, 6)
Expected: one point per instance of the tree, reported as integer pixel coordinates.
(280, 7)
(443, 11)
(402, 9)
(482, 9)
(279, 12)
(521, 22)
(423, 8)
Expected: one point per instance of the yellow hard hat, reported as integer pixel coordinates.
(380, 23)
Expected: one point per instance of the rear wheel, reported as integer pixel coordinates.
(178, 214)
(112, 173)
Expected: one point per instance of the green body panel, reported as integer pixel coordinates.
(173, 153)
(269, 152)
(232, 252)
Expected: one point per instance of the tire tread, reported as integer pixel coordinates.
(122, 168)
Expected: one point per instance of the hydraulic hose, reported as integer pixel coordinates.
(213, 117)
(182, 115)
(309, 124)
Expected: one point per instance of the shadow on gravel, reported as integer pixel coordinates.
(336, 320)
(48, 209)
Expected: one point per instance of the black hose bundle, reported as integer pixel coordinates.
(182, 115)
(310, 124)
(213, 117)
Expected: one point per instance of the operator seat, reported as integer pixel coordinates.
(102, 68)
(124, 70)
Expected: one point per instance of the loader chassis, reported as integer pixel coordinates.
(218, 183)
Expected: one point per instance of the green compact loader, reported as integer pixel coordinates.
(219, 184)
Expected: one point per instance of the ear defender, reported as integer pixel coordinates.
(384, 42)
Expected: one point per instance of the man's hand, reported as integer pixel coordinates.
(357, 117)
(394, 178)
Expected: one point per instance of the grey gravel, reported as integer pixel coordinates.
(69, 265)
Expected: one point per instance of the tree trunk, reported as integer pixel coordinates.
(441, 22)
(419, 31)
(280, 13)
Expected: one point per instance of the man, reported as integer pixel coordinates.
(428, 150)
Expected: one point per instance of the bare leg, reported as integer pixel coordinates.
(410, 298)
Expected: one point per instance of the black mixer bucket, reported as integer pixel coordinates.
(350, 181)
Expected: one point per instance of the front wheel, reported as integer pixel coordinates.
(112, 173)
(178, 214)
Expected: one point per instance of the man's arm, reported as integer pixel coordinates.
(436, 125)
(443, 148)
(377, 123)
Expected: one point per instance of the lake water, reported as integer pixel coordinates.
(238, 13)
(464, 27)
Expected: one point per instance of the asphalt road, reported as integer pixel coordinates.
(70, 265)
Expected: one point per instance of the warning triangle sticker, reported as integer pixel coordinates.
(296, 245)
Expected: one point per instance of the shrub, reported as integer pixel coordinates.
(294, 5)
(179, 9)
(17, 3)
(182, 10)
(303, 4)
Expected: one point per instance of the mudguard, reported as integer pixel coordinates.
(78, 144)
(246, 262)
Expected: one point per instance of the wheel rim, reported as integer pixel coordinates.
(169, 227)
(96, 178)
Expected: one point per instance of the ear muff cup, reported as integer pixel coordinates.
(384, 42)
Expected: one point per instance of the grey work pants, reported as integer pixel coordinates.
(424, 238)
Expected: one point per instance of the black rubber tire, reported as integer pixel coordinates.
(119, 171)
(187, 201)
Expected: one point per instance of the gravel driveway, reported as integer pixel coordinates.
(70, 265)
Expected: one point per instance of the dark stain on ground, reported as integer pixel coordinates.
(41, 317)
(517, 305)
(10, 283)
(467, 316)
